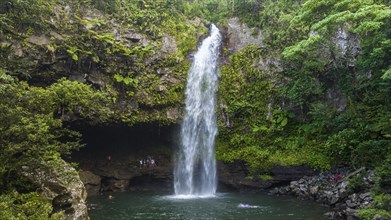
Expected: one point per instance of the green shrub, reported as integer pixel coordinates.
(356, 183)
(265, 177)
(383, 201)
(368, 214)
(15, 206)
(384, 173)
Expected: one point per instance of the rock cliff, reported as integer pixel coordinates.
(61, 184)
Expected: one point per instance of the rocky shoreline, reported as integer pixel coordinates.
(336, 189)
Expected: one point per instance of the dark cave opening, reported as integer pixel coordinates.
(125, 144)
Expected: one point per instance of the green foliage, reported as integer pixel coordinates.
(380, 207)
(32, 135)
(356, 183)
(73, 52)
(273, 18)
(364, 18)
(384, 172)
(260, 130)
(302, 47)
(16, 14)
(349, 137)
(95, 36)
(29, 132)
(291, 118)
(383, 201)
(26, 206)
(127, 80)
(212, 10)
(68, 97)
(368, 214)
(155, 18)
(265, 177)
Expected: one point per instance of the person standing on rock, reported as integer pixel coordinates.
(148, 162)
(141, 164)
(109, 159)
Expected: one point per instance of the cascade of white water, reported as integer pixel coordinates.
(195, 168)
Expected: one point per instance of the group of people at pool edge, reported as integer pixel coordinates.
(148, 162)
(143, 163)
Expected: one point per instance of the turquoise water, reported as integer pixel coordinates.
(144, 205)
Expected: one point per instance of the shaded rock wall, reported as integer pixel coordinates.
(239, 35)
(62, 185)
(236, 176)
(110, 162)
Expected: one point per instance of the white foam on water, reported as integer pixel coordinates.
(188, 197)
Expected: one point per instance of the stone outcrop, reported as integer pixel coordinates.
(61, 184)
(240, 35)
(91, 181)
(118, 177)
(236, 176)
(348, 45)
(123, 173)
(345, 50)
(332, 189)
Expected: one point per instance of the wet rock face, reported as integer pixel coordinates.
(286, 174)
(63, 186)
(236, 176)
(337, 98)
(114, 185)
(91, 181)
(169, 44)
(39, 40)
(121, 177)
(240, 35)
(348, 45)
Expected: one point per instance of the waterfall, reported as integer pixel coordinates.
(195, 168)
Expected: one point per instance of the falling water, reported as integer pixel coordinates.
(195, 170)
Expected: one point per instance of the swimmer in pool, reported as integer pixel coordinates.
(247, 206)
